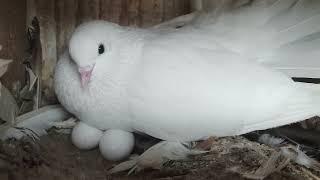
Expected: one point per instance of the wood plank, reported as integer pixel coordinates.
(12, 40)
(105, 10)
(110, 10)
(88, 10)
(134, 13)
(196, 5)
(152, 12)
(66, 18)
(47, 23)
(157, 11)
(124, 12)
(142, 13)
(124, 16)
(169, 9)
(182, 7)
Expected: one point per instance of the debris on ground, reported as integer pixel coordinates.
(54, 157)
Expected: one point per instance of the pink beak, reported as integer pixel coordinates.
(85, 74)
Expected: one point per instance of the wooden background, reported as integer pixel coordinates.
(139, 13)
(12, 40)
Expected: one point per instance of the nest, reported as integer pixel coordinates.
(54, 157)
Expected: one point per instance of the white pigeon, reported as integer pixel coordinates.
(216, 76)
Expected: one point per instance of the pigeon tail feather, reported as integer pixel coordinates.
(303, 106)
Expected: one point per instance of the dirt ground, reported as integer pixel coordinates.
(54, 157)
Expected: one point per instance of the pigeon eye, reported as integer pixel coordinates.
(101, 49)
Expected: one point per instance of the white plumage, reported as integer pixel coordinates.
(216, 76)
(35, 123)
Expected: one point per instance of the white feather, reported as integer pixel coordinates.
(299, 157)
(278, 35)
(156, 156)
(214, 77)
(35, 123)
(270, 140)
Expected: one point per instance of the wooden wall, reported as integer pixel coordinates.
(58, 18)
(217, 5)
(12, 40)
(139, 13)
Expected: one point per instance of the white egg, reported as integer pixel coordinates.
(116, 144)
(86, 137)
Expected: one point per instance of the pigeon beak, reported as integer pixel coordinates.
(85, 74)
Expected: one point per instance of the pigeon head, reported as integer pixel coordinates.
(91, 44)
